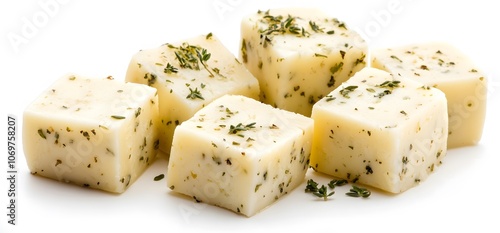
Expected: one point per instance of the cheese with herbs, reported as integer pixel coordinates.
(246, 155)
(380, 131)
(443, 66)
(97, 133)
(188, 75)
(299, 55)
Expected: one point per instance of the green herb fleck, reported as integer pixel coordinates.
(356, 191)
(240, 127)
(331, 81)
(336, 67)
(346, 90)
(159, 177)
(333, 183)
(383, 93)
(311, 186)
(315, 27)
(117, 117)
(170, 69)
(190, 56)
(194, 94)
(151, 78)
(323, 192)
(329, 98)
(342, 54)
(243, 50)
(342, 25)
(40, 132)
(360, 60)
(278, 25)
(396, 58)
(390, 84)
(204, 56)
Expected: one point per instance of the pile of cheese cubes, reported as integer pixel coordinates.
(242, 132)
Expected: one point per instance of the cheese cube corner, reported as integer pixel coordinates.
(445, 67)
(97, 133)
(188, 75)
(379, 131)
(299, 55)
(247, 154)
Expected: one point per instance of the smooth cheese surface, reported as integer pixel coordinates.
(379, 131)
(247, 154)
(443, 66)
(299, 55)
(97, 133)
(188, 75)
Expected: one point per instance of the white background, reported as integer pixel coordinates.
(40, 42)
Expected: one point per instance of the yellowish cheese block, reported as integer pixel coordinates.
(97, 133)
(380, 131)
(188, 75)
(443, 66)
(299, 55)
(240, 154)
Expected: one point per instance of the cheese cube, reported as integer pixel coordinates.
(188, 75)
(379, 131)
(247, 154)
(299, 55)
(443, 66)
(97, 133)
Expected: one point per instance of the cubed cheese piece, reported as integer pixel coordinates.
(97, 133)
(380, 131)
(188, 75)
(299, 55)
(443, 66)
(247, 154)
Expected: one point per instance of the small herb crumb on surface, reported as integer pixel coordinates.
(117, 117)
(356, 191)
(159, 177)
(323, 192)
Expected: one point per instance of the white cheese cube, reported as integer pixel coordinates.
(188, 75)
(247, 154)
(97, 133)
(443, 66)
(299, 55)
(379, 131)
